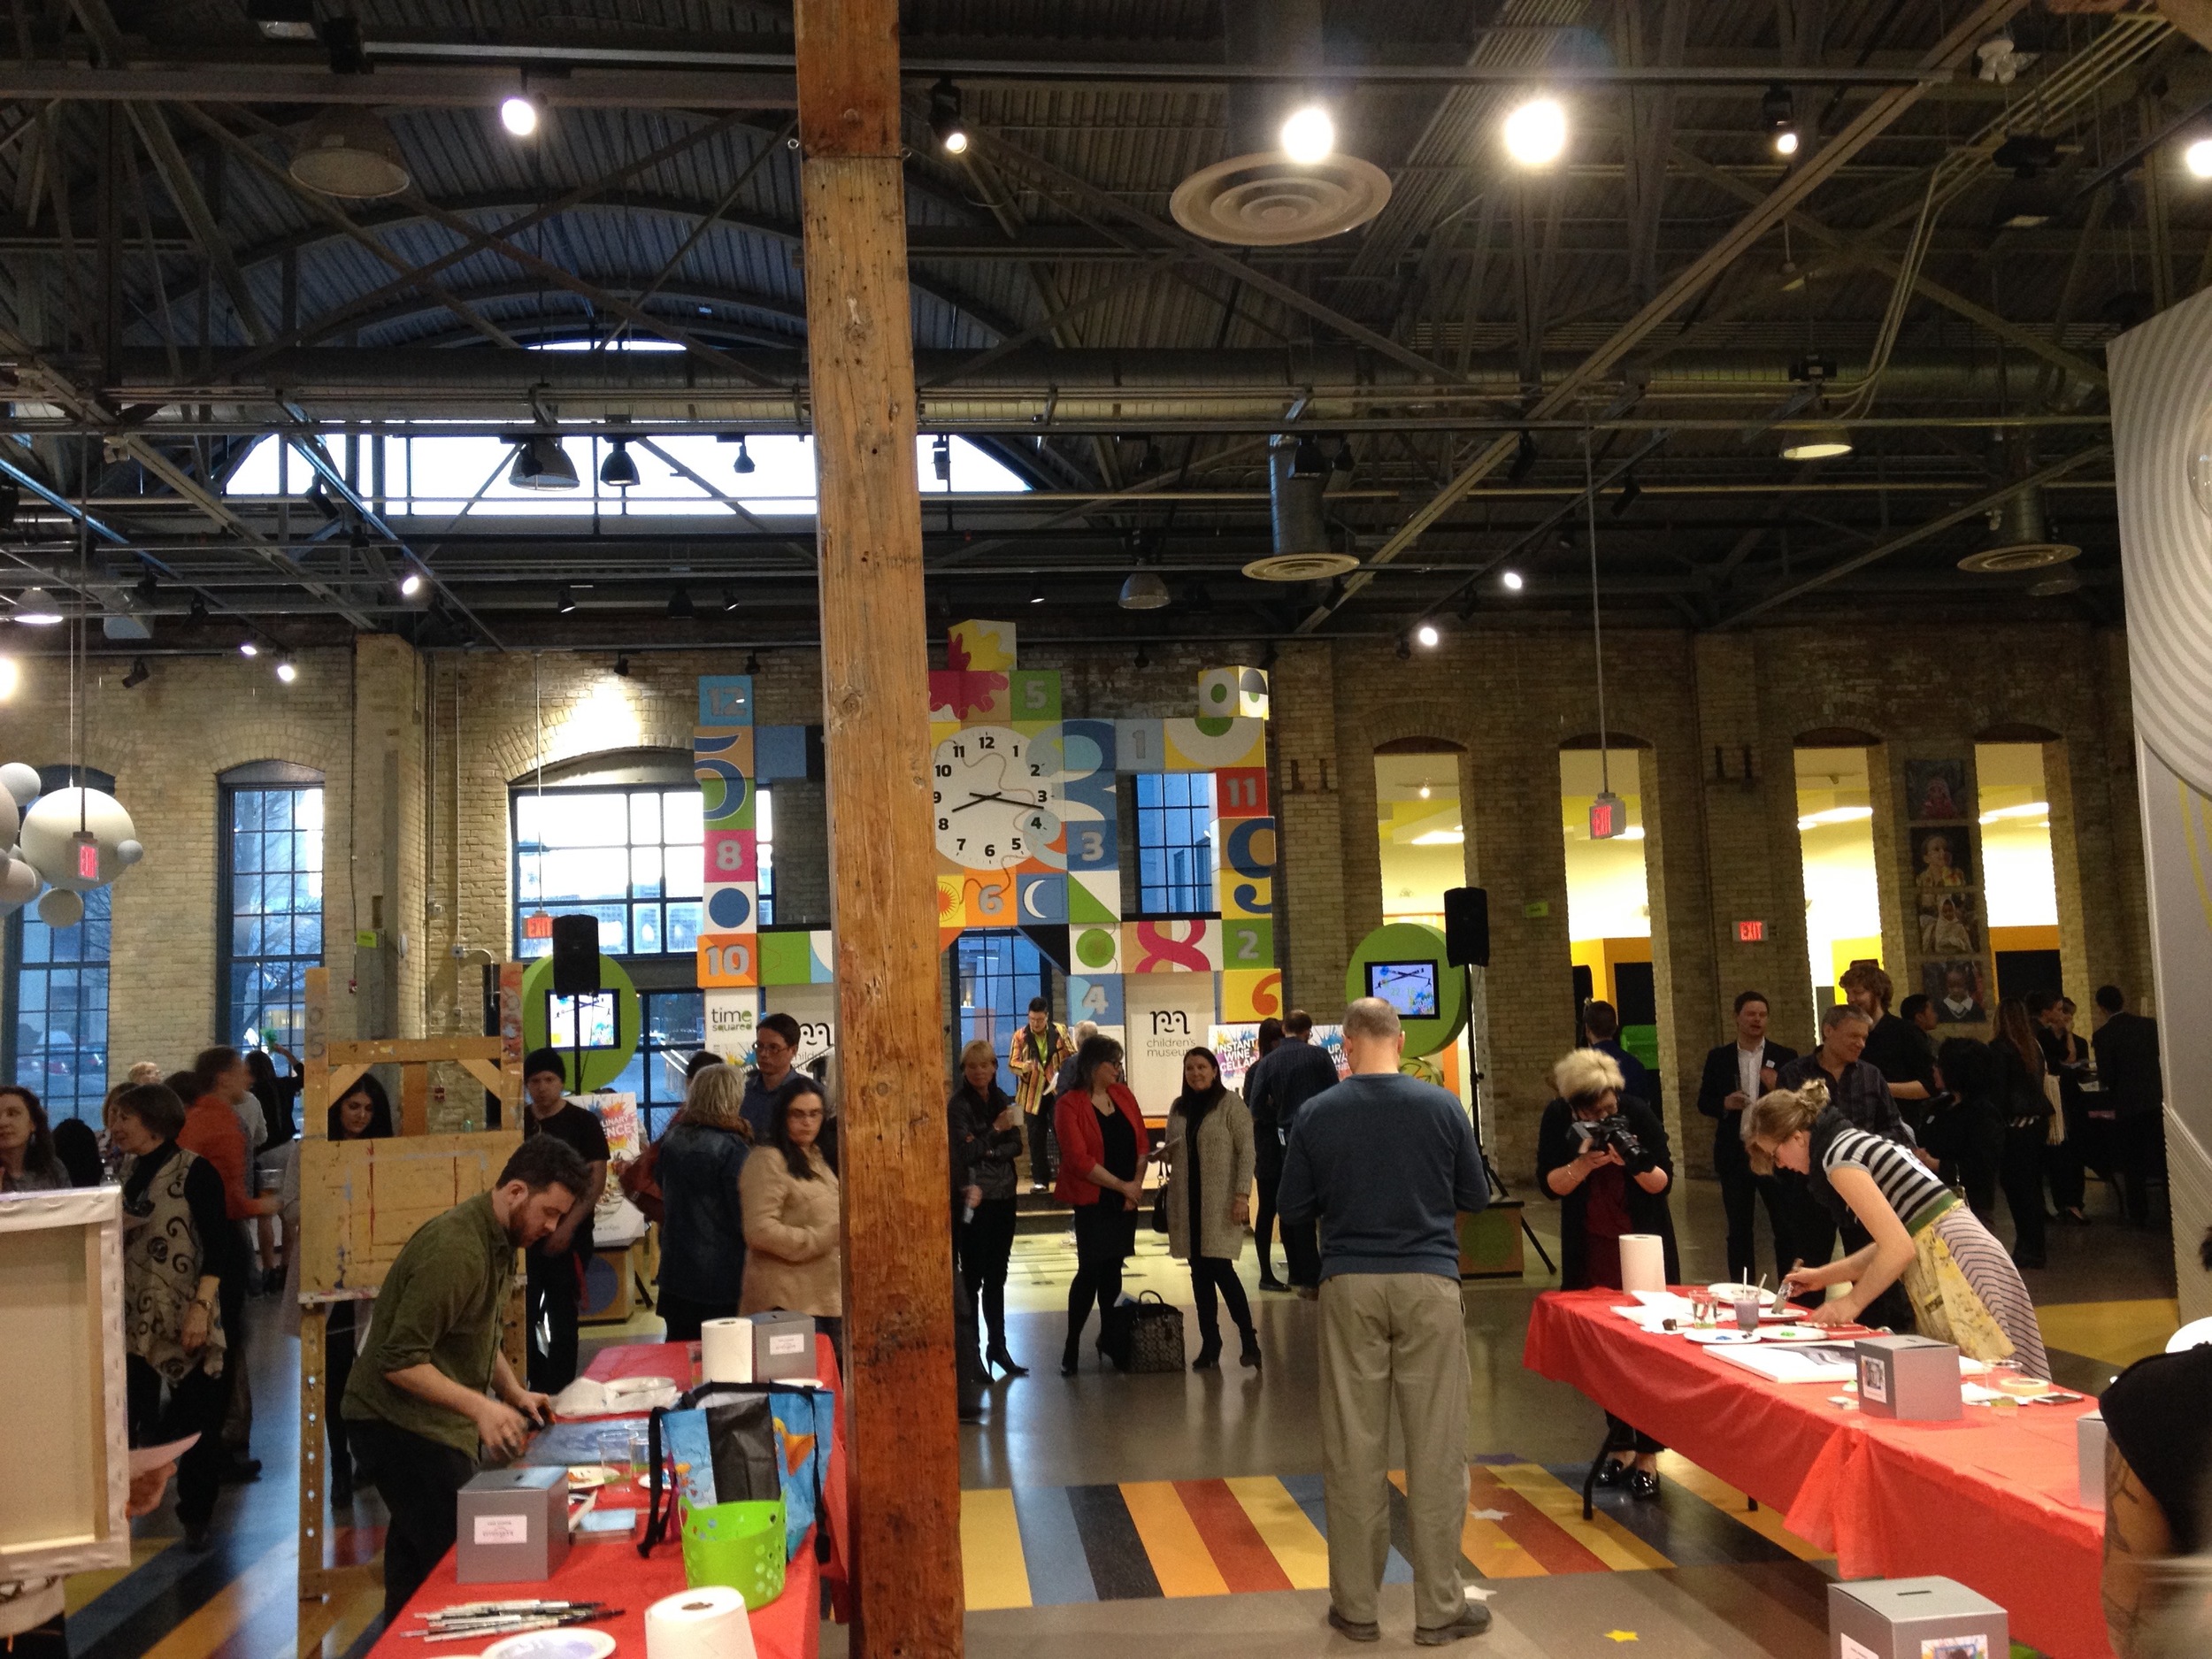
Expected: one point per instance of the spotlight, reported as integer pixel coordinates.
(1512, 581)
(679, 606)
(944, 118)
(285, 671)
(1779, 110)
(11, 499)
(1629, 490)
(197, 609)
(411, 584)
(138, 676)
(1148, 463)
(282, 20)
(519, 114)
(1523, 459)
(1306, 461)
(622, 664)
(619, 470)
(752, 662)
(744, 459)
(1036, 592)
(1143, 658)
(1309, 136)
(1426, 636)
(1405, 650)
(1536, 132)
(1815, 443)
(247, 648)
(1423, 792)
(941, 458)
(730, 601)
(1143, 591)
(147, 588)
(37, 607)
(1344, 461)
(563, 602)
(542, 463)
(2198, 158)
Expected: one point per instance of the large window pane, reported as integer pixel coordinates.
(615, 854)
(61, 1002)
(273, 892)
(1174, 843)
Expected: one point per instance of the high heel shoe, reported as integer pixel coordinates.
(1208, 1358)
(1251, 1357)
(1004, 1361)
(1070, 1359)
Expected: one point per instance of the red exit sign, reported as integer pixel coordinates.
(1751, 933)
(87, 861)
(537, 925)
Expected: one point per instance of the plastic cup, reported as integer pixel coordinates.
(1747, 1313)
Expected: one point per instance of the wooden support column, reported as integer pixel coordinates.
(903, 1475)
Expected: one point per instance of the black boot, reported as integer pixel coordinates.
(1070, 1357)
(998, 1356)
(1251, 1357)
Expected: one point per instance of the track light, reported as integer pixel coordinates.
(1036, 592)
(619, 470)
(1816, 444)
(1523, 459)
(11, 499)
(744, 459)
(37, 607)
(287, 670)
(1536, 132)
(563, 602)
(1148, 463)
(197, 609)
(1143, 658)
(1345, 461)
(1404, 650)
(2198, 158)
(941, 458)
(752, 662)
(1629, 490)
(138, 676)
(147, 588)
(247, 648)
(542, 463)
(1426, 635)
(622, 664)
(1779, 111)
(944, 118)
(1512, 581)
(519, 114)
(1307, 461)
(412, 583)
(730, 601)
(1309, 136)
(679, 606)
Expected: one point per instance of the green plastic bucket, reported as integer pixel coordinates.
(740, 1545)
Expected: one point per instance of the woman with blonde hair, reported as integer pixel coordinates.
(1602, 1154)
(984, 1123)
(700, 1164)
(1964, 1287)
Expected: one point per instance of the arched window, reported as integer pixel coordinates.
(57, 1036)
(271, 902)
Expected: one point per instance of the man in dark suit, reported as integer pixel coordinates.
(1736, 1074)
(1602, 1031)
(2126, 1047)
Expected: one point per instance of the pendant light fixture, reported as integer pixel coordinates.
(542, 463)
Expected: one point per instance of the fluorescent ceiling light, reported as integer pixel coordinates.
(2033, 809)
(1834, 815)
(1440, 838)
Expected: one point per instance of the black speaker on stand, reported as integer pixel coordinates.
(576, 955)
(1467, 946)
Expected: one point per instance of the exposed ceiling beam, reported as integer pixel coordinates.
(1957, 45)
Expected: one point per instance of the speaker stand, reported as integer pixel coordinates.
(1489, 1169)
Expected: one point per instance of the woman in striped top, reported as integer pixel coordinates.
(1963, 1286)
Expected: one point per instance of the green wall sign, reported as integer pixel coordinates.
(601, 1066)
(1403, 962)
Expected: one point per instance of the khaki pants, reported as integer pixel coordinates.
(1386, 1338)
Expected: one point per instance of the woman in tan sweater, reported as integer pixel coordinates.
(792, 1228)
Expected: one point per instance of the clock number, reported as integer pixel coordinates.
(960, 843)
(1036, 771)
(1014, 845)
(944, 770)
(990, 850)
(985, 740)
(960, 751)
(944, 822)
(1043, 796)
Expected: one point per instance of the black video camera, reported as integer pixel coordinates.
(1614, 1132)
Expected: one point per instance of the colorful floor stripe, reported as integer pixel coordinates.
(1048, 1546)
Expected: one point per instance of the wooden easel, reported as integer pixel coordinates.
(361, 1201)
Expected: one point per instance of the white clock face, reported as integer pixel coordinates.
(993, 807)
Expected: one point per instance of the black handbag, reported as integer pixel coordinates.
(1159, 1209)
(1143, 1333)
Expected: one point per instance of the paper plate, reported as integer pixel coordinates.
(623, 1387)
(585, 1475)
(575, 1643)
(1723, 1338)
(1815, 1334)
(1728, 1291)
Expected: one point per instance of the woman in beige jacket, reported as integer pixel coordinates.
(792, 1230)
(1208, 1154)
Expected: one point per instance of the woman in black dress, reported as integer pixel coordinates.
(985, 1126)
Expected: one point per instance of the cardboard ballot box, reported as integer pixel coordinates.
(783, 1346)
(1913, 1619)
(513, 1526)
(1909, 1379)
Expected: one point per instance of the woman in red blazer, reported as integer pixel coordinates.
(1103, 1150)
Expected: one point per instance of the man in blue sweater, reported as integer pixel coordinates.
(1385, 1161)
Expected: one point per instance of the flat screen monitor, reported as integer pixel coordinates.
(591, 1021)
(1408, 986)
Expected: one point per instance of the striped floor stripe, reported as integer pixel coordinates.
(1048, 1546)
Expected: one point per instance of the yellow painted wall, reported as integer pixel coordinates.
(1603, 955)
(2023, 938)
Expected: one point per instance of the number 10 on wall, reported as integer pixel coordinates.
(729, 959)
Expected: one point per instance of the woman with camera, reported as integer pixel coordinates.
(1603, 1154)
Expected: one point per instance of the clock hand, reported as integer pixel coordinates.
(978, 800)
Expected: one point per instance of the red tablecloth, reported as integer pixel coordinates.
(789, 1628)
(1985, 1500)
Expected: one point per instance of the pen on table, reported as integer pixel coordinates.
(462, 1609)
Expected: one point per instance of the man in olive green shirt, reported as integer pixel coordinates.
(430, 1382)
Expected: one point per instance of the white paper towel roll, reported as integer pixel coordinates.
(725, 1350)
(1643, 1262)
(708, 1623)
